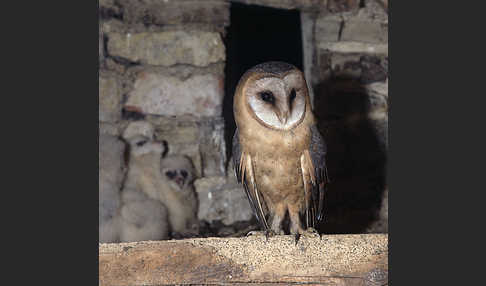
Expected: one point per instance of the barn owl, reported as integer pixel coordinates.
(278, 153)
(142, 215)
(179, 195)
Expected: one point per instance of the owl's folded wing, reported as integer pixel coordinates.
(315, 163)
(245, 175)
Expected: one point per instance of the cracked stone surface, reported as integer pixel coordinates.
(109, 97)
(168, 48)
(158, 94)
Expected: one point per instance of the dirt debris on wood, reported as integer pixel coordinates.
(336, 259)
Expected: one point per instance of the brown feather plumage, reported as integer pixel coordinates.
(275, 164)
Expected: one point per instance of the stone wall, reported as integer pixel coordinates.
(349, 77)
(163, 62)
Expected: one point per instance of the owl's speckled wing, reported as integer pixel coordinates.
(317, 153)
(245, 175)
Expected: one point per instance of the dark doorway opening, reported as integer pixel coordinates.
(257, 34)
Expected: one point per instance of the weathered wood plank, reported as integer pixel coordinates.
(329, 260)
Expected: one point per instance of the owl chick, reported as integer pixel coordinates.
(111, 172)
(143, 216)
(278, 153)
(179, 196)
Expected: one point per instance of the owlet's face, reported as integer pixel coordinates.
(178, 171)
(278, 102)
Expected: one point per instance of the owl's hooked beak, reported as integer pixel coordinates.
(180, 181)
(283, 114)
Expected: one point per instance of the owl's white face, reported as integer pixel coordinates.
(278, 103)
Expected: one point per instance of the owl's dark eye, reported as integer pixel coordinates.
(292, 96)
(170, 174)
(141, 143)
(184, 173)
(267, 96)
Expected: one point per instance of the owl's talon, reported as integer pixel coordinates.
(255, 233)
(266, 233)
(309, 232)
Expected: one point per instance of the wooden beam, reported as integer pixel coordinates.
(330, 260)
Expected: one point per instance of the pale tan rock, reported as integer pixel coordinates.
(368, 25)
(168, 48)
(109, 97)
(199, 95)
(219, 200)
(327, 27)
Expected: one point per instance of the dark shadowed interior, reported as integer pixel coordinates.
(356, 152)
(257, 34)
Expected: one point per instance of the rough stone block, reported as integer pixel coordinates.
(109, 9)
(377, 9)
(221, 201)
(378, 108)
(101, 52)
(212, 148)
(328, 27)
(181, 130)
(109, 97)
(158, 94)
(156, 12)
(364, 68)
(378, 89)
(109, 128)
(335, 6)
(345, 66)
(307, 22)
(353, 47)
(202, 140)
(364, 27)
(168, 48)
(373, 68)
(113, 25)
(182, 136)
(107, 3)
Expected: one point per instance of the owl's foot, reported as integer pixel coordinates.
(267, 233)
(309, 233)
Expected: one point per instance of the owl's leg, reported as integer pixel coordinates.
(296, 228)
(295, 224)
(278, 214)
(277, 218)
